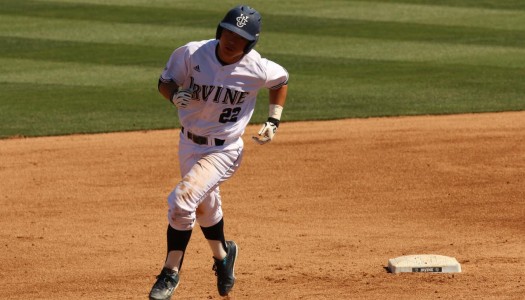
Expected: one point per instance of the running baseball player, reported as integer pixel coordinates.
(214, 85)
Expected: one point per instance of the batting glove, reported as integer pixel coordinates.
(267, 131)
(181, 98)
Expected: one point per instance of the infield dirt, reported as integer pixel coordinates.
(317, 213)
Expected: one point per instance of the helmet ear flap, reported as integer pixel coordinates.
(219, 32)
(250, 45)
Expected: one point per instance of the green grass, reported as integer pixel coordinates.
(83, 66)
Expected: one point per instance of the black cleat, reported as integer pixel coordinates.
(225, 269)
(166, 283)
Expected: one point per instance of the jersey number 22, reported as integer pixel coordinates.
(229, 115)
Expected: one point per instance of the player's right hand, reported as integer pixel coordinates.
(182, 98)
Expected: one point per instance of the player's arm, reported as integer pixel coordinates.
(278, 96)
(277, 100)
(167, 89)
(170, 90)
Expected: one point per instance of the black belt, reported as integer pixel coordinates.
(201, 140)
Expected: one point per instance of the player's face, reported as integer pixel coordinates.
(231, 46)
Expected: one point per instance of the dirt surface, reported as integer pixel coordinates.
(317, 213)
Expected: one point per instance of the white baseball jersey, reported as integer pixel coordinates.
(223, 95)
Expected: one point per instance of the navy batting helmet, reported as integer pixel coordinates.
(244, 21)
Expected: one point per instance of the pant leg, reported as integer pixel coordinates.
(197, 195)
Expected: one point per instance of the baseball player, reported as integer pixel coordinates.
(214, 85)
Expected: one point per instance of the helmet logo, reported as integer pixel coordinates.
(241, 20)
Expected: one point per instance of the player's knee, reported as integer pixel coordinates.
(181, 212)
(210, 211)
(181, 220)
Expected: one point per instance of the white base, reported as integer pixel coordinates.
(426, 263)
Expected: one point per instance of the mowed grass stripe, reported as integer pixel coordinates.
(110, 13)
(85, 53)
(341, 70)
(386, 50)
(396, 31)
(156, 56)
(381, 88)
(166, 4)
(311, 26)
(99, 32)
(490, 4)
(81, 74)
(430, 14)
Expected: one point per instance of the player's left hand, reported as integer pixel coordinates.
(266, 133)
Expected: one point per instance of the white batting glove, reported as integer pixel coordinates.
(182, 98)
(267, 132)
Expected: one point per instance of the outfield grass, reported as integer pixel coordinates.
(70, 66)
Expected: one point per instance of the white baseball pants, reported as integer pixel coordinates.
(203, 168)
